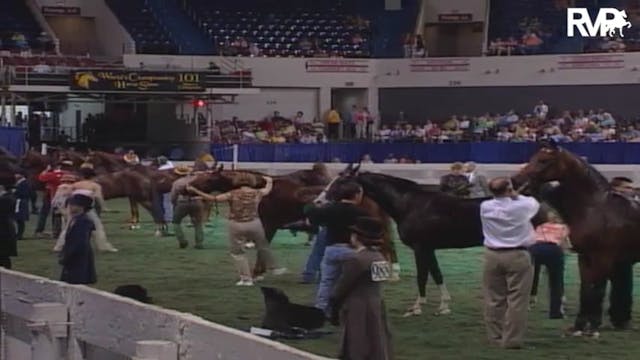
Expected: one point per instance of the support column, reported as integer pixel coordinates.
(324, 102)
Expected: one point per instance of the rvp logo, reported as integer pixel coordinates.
(607, 22)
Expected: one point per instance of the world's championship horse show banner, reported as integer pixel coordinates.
(147, 81)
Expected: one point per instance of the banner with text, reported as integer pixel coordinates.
(440, 65)
(61, 10)
(337, 66)
(583, 62)
(146, 81)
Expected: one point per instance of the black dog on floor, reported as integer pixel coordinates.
(135, 292)
(282, 315)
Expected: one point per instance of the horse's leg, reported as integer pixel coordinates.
(534, 287)
(436, 273)
(135, 214)
(621, 295)
(422, 269)
(260, 267)
(388, 249)
(592, 289)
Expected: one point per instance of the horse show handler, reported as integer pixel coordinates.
(357, 296)
(551, 240)
(8, 237)
(76, 257)
(337, 216)
(185, 204)
(244, 223)
(508, 270)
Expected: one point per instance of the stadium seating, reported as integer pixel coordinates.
(282, 28)
(150, 35)
(18, 28)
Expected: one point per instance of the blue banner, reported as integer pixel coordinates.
(483, 152)
(13, 139)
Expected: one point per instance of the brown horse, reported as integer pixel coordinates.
(604, 225)
(128, 184)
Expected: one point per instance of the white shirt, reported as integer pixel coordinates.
(167, 166)
(506, 222)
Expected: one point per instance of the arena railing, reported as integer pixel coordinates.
(45, 319)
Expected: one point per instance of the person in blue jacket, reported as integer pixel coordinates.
(76, 257)
(22, 194)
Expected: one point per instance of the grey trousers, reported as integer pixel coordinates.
(252, 231)
(507, 280)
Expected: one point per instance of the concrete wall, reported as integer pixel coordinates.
(109, 327)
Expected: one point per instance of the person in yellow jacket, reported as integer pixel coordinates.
(333, 123)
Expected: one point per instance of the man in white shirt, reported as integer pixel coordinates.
(508, 270)
(541, 110)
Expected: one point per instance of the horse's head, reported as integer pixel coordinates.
(349, 173)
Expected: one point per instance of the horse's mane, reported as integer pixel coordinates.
(400, 182)
(592, 173)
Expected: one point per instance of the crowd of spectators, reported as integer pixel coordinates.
(413, 46)
(19, 42)
(275, 129)
(533, 36)
(566, 126)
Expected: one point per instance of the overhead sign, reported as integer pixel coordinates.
(440, 65)
(148, 81)
(455, 17)
(337, 66)
(61, 10)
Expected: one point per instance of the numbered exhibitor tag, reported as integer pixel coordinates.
(380, 271)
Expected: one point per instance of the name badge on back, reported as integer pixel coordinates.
(380, 271)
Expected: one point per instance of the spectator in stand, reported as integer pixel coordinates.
(541, 110)
(531, 43)
(19, 41)
(254, 50)
(384, 134)
(390, 159)
(361, 124)
(419, 50)
(407, 44)
(333, 123)
(298, 120)
(366, 159)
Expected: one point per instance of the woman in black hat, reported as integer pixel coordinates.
(76, 257)
(356, 301)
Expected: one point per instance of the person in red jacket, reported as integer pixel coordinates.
(51, 179)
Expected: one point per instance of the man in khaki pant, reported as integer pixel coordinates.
(508, 270)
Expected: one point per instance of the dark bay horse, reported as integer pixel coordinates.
(426, 221)
(605, 226)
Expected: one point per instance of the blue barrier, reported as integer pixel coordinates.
(13, 139)
(484, 152)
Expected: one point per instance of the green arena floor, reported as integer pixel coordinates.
(202, 282)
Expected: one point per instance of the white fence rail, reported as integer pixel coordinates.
(49, 320)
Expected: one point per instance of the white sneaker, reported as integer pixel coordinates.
(279, 271)
(244, 283)
(258, 278)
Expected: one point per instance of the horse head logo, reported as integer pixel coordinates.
(84, 79)
(618, 22)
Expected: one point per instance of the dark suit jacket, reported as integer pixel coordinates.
(76, 258)
(23, 196)
(8, 237)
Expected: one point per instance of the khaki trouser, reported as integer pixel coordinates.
(507, 280)
(100, 235)
(194, 208)
(250, 231)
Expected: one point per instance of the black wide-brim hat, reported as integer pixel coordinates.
(368, 227)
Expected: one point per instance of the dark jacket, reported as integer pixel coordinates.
(8, 237)
(76, 258)
(23, 196)
(456, 185)
(337, 217)
(365, 331)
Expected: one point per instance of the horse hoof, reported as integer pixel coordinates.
(442, 312)
(413, 312)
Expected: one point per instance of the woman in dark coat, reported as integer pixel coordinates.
(357, 299)
(76, 257)
(8, 243)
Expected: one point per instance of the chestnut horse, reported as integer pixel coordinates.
(604, 225)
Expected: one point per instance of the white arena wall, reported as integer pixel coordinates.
(420, 173)
(49, 320)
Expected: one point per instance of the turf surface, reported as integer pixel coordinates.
(202, 282)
